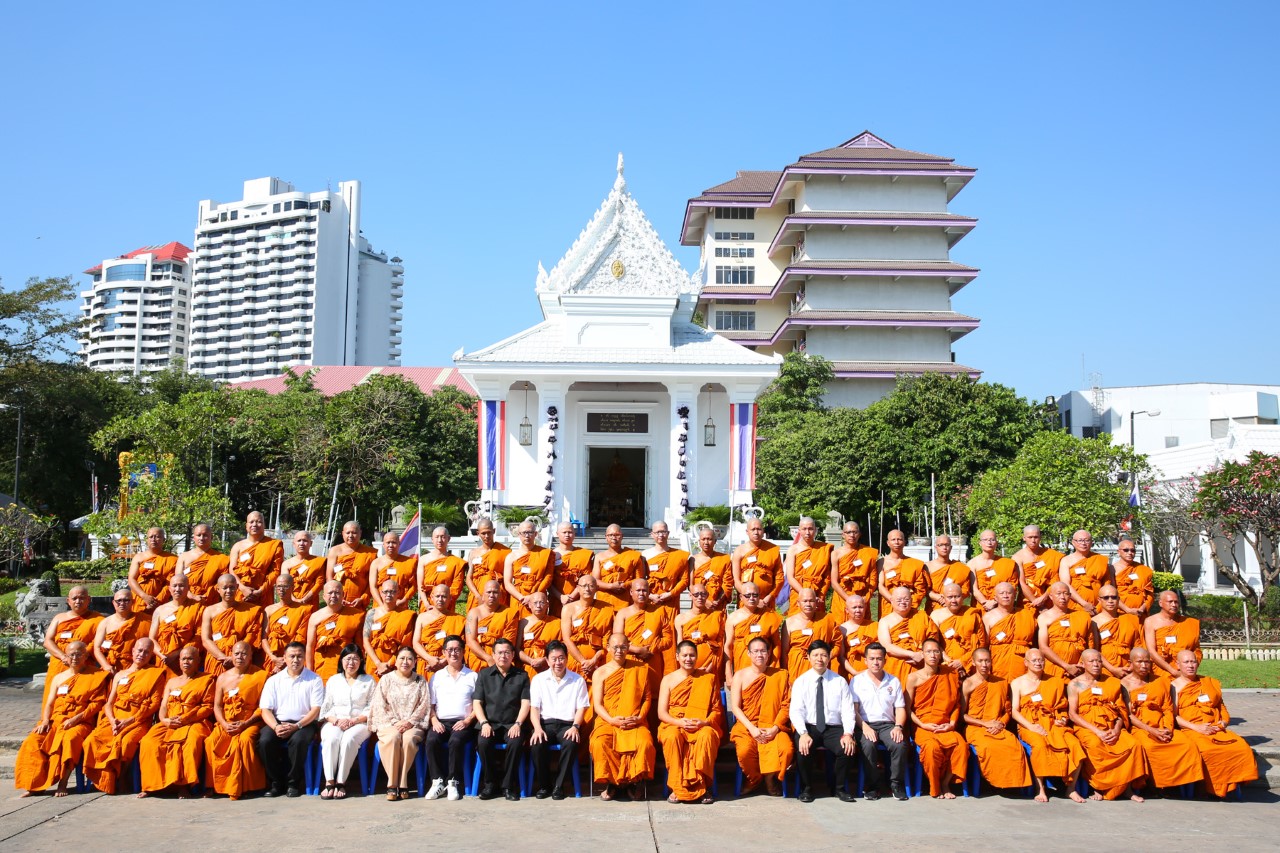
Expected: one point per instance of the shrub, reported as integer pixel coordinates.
(716, 514)
(1166, 580)
(102, 567)
(8, 585)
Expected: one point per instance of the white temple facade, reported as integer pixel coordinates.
(625, 404)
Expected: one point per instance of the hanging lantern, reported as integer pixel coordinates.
(709, 433)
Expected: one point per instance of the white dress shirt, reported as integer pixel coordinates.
(838, 702)
(289, 698)
(347, 701)
(558, 699)
(452, 696)
(875, 702)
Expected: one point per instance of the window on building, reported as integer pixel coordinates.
(235, 214)
(126, 272)
(735, 213)
(735, 252)
(736, 321)
(735, 275)
(735, 235)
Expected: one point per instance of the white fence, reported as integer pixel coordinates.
(1239, 652)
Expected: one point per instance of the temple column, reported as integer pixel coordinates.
(684, 396)
(551, 444)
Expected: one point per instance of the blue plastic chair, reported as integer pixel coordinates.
(1082, 787)
(314, 773)
(910, 773)
(526, 772)
(579, 528)
(473, 788)
(973, 784)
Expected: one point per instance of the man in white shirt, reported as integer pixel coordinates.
(559, 701)
(290, 703)
(883, 709)
(452, 716)
(823, 715)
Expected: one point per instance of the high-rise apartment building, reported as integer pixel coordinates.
(285, 277)
(137, 310)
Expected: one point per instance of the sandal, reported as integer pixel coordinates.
(392, 795)
(339, 792)
(607, 793)
(328, 792)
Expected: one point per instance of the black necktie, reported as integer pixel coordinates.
(820, 703)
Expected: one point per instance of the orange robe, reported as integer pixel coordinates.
(716, 574)
(180, 628)
(1228, 760)
(691, 756)
(531, 572)
(1176, 762)
(117, 645)
(1136, 588)
(73, 629)
(1042, 573)
(450, 570)
(403, 571)
(669, 573)
(107, 755)
(234, 766)
(855, 644)
(352, 571)
(1068, 636)
(706, 631)
(46, 758)
(762, 566)
(799, 640)
(962, 635)
(1087, 578)
(389, 634)
(590, 631)
(910, 635)
(569, 570)
(811, 567)
(534, 638)
(1111, 768)
(1003, 570)
(287, 625)
(1009, 639)
(624, 756)
(1119, 636)
(944, 756)
(623, 569)
(491, 628)
(308, 577)
(431, 636)
(239, 622)
(954, 572)
(332, 636)
(858, 574)
(652, 627)
(153, 578)
(768, 624)
(202, 576)
(172, 756)
(489, 568)
(766, 702)
(1171, 639)
(910, 573)
(259, 565)
(1058, 751)
(1000, 756)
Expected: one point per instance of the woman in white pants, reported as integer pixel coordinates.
(346, 721)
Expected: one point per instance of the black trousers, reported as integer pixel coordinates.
(806, 765)
(285, 759)
(870, 763)
(457, 742)
(542, 753)
(501, 767)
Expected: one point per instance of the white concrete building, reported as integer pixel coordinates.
(285, 277)
(845, 254)
(138, 310)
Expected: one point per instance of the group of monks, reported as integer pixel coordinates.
(1065, 646)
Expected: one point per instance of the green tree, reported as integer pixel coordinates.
(19, 527)
(1239, 504)
(35, 322)
(447, 426)
(167, 501)
(799, 387)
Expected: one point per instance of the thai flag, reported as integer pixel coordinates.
(1134, 498)
(493, 432)
(411, 539)
(742, 446)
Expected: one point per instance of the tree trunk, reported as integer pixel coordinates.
(1231, 570)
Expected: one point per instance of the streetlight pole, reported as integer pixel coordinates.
(1133, 471)
(17, 472)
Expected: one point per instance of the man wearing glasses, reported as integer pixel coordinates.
(1133, 580)
(116, 635)
(452, 714)
(528, 567)
(1118, 633)
(753, 619)
(1084, 572)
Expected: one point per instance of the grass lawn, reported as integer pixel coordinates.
(27, 662)
(1243, 673)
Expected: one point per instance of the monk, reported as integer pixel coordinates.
(1039, 707)
(854, 571)
(962, 628)
(752, 619)
(256, 560)
(585, 627)
(1010, 630)
(1118, 632)
(348, 563)
(1228, 760)
(808, 565)
(150, 571)
(432, 627)
(307, 570)
(1170, 752)
(1167, 633)
(668, 570)
(760, 698)
(487, 624)
(622, 750)
(527, 568)
(536, 630)
(989, 570)
(171, 750)
(392, 565)
(77, 624)
(859, 632)
(438, 566)
(388, 628)
(1065, 633)
(1038, 568)
(131, 706)
(933, 695)
(690, 717)
(649, 630)
(486, 561)
(1084, 572)
(897, 571)
(713, 570)
(228, 622)
(903, 632)
(114, 639)
(176, 623)
(1097, 707)
(944, 570)
(757, 561)
(73, 700)
(1133, 580)
(615, 568)
(985, 706)
(571, 563)
(810, 623)
(286, 622)
(233, 762)
(704, 627)
(202, 566)
(330, 629)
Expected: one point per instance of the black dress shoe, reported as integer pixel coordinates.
(293, 792)
(899, 794)
(542, 793)
(557, 794)
(846, 797)
(488, 792)
(510, 794)
(806, 796)
(272, 791)
(871, 794)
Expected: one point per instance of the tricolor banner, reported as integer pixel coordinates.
(411, 539)
(742, 446)
(493, 433)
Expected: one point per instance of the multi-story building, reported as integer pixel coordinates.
(137, 310)
(285, 277)
(843, 254)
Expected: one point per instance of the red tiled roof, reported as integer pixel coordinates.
(334, 379)
(174, 251)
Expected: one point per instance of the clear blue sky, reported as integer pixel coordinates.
(1126, 152)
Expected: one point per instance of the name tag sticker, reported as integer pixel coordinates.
(175, 692)
(1104, 634)
(892, 573)
(991, 573)
(329, 626)
(808, 632)
(1036, 697)
(65, 635)
(751, 559)
(525, 570)
(172, 617)
(1079, 570)
(440, 635)
(653, 567)
(528, 635)
(244, 558)
(608, 565)
(906, 636)
(1000, 636)
(106, 644)
(1171, 639)
(1142, 697)
(1096, 691)
(337, 573)
(64, 690)
(1133, 576)
(123, 680)
(857, 562)
(951, 632)
(391, 571)
(1204, 697)
(646, 634)
(186, 570)
(709, 574)
(150, 565)
(756, 629)
(856, 641)
(483, 629)
(1065, 623)
(697, 635)
(1039, 564)
(217, 637)
(377, 626)
(806, 564)
(577, 623)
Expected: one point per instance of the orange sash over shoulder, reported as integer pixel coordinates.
(716, 574)
(117, 645)
(1058, 751)
(153, 578)
(1111, 768)
(811, 567)
(766, 701)
(1176, 762)
(1228, 760)
(531, 572)
(858, 575)
(449, 570)
(73, 629)
(259, 565)
(691, 756)
(909, 635)
(352, 571)
(799, 640)
(1001, 571)
(171, 756)
(239, 622)
(1000, 756)
(623, 756)
(1009, 640)
(761, 566)
(308, 577)
(287, 625)
(137, 698)
(234, 766)
(45, 758)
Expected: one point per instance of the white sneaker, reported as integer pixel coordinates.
(437, 790)
(454, 793)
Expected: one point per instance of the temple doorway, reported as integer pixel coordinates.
(616, 486)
